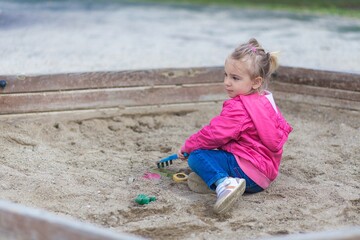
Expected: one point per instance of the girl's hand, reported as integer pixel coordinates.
(181, 156)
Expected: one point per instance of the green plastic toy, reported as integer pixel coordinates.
(144, 199)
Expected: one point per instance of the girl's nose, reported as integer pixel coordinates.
(226, 81)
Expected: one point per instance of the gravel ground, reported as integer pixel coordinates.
(74, 36)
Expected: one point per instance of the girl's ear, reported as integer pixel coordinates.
(257, 82)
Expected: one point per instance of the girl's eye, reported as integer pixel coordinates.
(225, 74)
(236, 78)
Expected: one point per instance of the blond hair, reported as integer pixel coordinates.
(261, 63)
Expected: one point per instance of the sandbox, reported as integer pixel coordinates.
(79, 145)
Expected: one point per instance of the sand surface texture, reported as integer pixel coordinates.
(92, 169)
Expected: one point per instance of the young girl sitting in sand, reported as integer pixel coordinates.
(240, 150)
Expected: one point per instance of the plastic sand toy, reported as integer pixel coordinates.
(144, 199)
(151, 176)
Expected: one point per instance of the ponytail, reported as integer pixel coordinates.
(273, 62)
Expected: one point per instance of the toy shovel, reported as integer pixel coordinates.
(168, 160)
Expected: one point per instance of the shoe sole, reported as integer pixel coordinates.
(226, 203)
(196, 184)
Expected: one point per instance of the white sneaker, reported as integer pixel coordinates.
(196, 184)
(227, 193)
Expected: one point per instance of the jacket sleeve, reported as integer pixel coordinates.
(219, 131)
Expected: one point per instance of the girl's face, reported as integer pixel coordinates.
(237, 78)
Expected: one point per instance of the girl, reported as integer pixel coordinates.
(240, 150)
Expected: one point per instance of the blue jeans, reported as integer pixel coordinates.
(211, 165)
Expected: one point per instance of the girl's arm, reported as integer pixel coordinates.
(222, 129)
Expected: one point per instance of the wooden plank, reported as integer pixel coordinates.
(321, 101)
(141, 96)
(74, 91)
(18, 222)
(318, 78)
(105, 98)
(316, 91)
(96, 80)
(107, 113)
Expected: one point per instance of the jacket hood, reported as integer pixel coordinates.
(271, 126)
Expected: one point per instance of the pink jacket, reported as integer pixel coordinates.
(250, 128)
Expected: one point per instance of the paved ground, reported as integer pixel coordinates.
(51, 37)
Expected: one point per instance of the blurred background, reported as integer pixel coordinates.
(39, 36)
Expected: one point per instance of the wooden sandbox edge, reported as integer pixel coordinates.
(126, 89)
(18, 222)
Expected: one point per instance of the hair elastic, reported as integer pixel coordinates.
(252, 48)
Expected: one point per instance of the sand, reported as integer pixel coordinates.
(92, 169)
